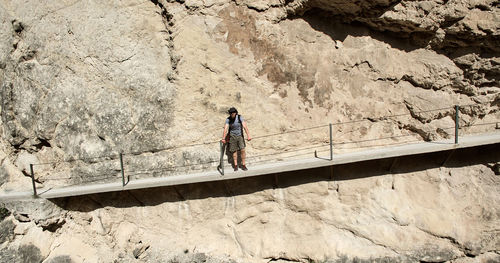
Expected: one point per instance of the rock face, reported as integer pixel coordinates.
(83, 82)
(420, 213)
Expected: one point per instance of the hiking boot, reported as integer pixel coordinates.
(244, 167)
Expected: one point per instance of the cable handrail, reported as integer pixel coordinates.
(80, 159)
(291, 153)
(177, 166)
(173, 168)
(378, 145)
(115, 156)
(376, 139)
(101, 175)
(480, 124)
(288, 151)
(216, 161)
(292, 131)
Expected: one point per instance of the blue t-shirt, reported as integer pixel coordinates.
(235, 127)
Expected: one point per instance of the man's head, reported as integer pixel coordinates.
(232, 111)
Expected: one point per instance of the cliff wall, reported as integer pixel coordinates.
(82, 81)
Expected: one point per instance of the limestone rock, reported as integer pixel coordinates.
(4, 213)
(52, 224)
(486, 257)
(85, 83)
(496, 168)
(22, 229)
(445, 25)
(7, 232)
(52, 96)
(23, 218)
(25, 253)
(4, 176)
(24, 160)
(37, 211)
(259, 5)
(135, 88)
(482, 72)
(199, 258)
(60, 259)
(139, 250)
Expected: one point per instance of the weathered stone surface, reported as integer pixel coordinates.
(52, 224)
(4, 213)
(198, 258)
(38, 211)
(139, 250)
(60, 259)
(414, 215)
(444, 25)
(7, 230)
(25, 253)
(486, 257)
(55, 79)
(496, 168)
(24, 160)
(23, 218)
(482, 72)
(84, 81)
(147, 97)
(405, 217)
(4, 176)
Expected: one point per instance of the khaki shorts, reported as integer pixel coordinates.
(236, 143)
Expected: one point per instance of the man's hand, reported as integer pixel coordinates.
(223, 141)
(249, 138)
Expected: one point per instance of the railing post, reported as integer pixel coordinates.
(331, 142)
(121, 167)
(221, 157)
(33, 179)
(457, 122)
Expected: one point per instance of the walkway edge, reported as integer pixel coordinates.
(272, 168)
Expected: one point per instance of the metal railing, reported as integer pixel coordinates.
(327, 146)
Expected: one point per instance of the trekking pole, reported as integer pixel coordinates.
(457, 120)
(221, 165)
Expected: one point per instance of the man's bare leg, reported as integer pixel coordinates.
(235, 158)
(243, 156)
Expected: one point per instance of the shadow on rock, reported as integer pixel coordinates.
(339, 30)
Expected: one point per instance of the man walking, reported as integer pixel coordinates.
(233, 134)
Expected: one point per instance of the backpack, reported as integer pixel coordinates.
(241, 127)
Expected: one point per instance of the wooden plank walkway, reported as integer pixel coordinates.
(265, 169)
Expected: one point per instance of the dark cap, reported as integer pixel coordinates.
(232, 110)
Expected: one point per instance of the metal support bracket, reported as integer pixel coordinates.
(331, 142)
(457, 122)
(123, 171)
(448, 157)
(393, 164)
(33, 180)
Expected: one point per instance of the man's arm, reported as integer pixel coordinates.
(224, 134)
(244, 123)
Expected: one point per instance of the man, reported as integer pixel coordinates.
(235, 124)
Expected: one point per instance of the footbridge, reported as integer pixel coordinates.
(313, 159)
